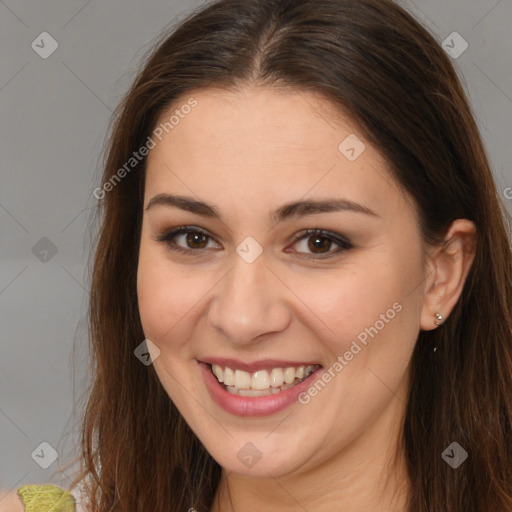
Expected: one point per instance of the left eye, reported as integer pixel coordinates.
(316, 239)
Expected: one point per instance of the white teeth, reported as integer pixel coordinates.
(260, 380)
(228, 376)
(289, 375)
(251, 392)
(276, 377)
(242, 380)
(261, 383)
(218, 372)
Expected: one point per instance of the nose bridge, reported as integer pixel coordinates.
(246, 304)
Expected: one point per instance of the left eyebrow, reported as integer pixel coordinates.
(295, 208)
(310, 207)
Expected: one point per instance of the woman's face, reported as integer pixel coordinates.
(259, 291)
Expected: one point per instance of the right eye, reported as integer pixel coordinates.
(193, 236)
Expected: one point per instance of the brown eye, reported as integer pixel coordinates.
(320, 242)
(194, 239)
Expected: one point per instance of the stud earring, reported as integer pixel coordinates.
(439, 317)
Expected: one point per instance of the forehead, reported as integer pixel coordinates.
(260, 145)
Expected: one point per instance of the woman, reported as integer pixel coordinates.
(302, 288)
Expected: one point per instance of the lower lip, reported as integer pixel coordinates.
(253, 406)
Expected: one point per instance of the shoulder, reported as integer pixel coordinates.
(38, 498)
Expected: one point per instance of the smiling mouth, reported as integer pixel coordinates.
(261, 382)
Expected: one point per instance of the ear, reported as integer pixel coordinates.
(448, 267)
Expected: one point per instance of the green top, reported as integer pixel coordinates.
(46, 498)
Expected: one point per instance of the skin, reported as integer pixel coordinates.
(248, 152)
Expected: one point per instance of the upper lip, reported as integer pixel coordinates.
(263, 364)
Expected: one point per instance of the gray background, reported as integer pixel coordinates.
(54, 116)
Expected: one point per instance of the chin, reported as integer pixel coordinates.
(260, 459)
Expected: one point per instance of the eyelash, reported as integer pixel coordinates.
(345, 245)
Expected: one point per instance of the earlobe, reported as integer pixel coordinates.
(451, 264)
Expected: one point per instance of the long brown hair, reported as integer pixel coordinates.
(372, 60)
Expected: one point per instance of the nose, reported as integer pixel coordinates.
(250, 301)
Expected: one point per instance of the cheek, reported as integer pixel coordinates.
(371, 305)
(162, 295)
(346, 303)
